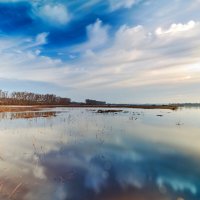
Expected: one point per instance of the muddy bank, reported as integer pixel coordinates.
(39, 107)
(109, 111)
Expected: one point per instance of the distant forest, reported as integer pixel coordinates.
(29, 98)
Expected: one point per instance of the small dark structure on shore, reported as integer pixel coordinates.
(94, 102)
(63, 101)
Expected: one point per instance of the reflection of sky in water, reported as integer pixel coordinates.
(80, 154)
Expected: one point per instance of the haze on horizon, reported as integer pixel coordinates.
(120, 51)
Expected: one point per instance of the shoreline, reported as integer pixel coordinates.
(27, 108)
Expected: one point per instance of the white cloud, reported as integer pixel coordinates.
(176, 28)
(21, 61)
(41, 38)
(139, 58)
(134, 58)
(136, 34)
(97, 35)
(56, 14)
(115, 4)
(50, 11)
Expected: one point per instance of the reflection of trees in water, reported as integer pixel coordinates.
(27, 115)
(4, 115)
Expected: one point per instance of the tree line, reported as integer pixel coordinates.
(29, 98)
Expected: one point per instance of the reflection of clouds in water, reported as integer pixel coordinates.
(22, 149)
(114, 166)
(38, 172)
(177, 184)
(47, 191)
(95, 178)
(65, 158)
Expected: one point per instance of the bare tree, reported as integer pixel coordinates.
(29, 98)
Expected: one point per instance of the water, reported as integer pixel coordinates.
(78, 154)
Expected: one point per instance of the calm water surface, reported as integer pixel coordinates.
(78, 154)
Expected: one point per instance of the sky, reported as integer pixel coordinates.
(119, 51)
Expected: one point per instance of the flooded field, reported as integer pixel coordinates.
(88, 154)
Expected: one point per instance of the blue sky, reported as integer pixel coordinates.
(126, 51)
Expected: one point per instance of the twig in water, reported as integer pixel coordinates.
(15, 190)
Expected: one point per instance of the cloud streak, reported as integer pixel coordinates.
(108, 52)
